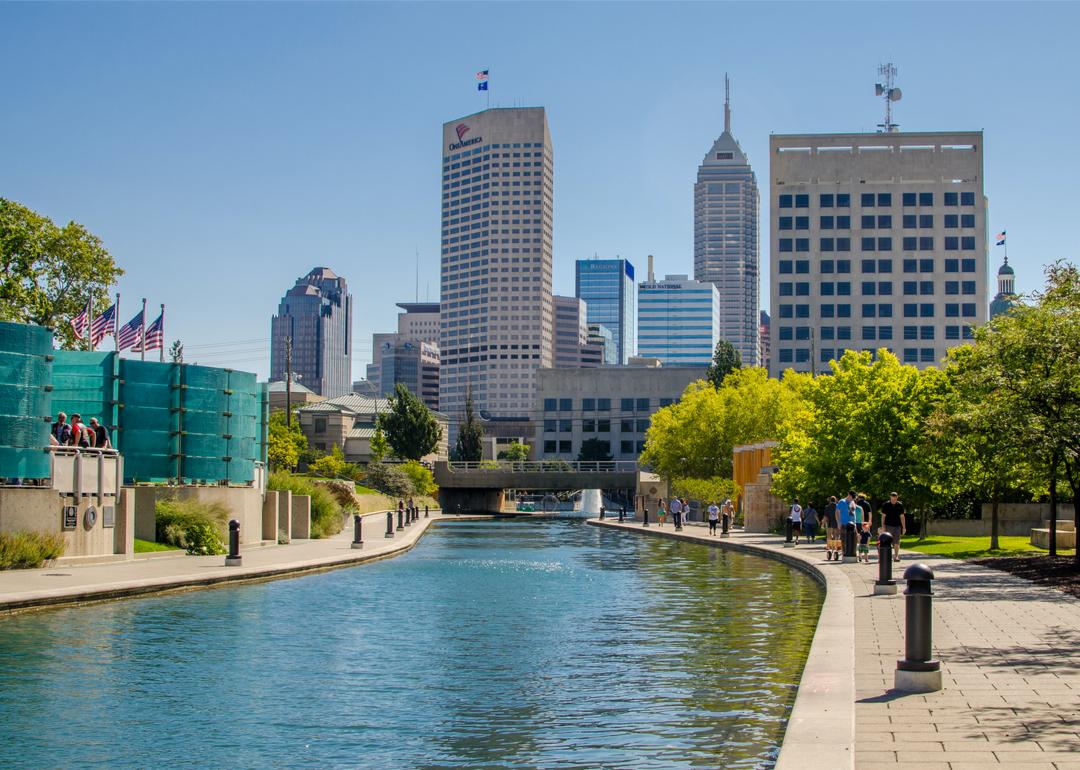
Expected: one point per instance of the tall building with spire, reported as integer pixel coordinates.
(726, 237)
(1006, 296)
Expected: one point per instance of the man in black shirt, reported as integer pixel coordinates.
(895, 520)
(101, 436)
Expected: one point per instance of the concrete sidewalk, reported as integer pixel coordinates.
(24, 589)
(1010, 654)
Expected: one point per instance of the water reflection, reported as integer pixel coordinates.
(492, 644)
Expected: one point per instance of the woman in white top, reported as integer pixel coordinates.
(714, 516)
(796, 520)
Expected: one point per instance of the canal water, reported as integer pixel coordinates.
(492, 644)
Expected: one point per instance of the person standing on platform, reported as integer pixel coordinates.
(676, 512)
(101, 435)
(714, 517)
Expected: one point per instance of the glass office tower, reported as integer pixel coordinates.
(607, 286)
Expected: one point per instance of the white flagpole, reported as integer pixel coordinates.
(89, 322)
(116, 324)
(142, 332)
(161, 347)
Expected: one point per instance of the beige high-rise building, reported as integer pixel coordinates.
(877, 241)
(496, 316)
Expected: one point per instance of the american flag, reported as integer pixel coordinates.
(155, 336)
(102, 326)
(80, 322)
(130, 333)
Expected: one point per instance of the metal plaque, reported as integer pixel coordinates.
(71, 517)
(108, 515)
(90, 517)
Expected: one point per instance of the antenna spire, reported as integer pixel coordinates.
(890, 93)
(727, 104)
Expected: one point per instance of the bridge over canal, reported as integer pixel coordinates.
(481, 486)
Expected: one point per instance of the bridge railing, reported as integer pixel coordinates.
(546, 466)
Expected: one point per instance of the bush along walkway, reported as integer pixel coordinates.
(1010, 660)
(25, 589)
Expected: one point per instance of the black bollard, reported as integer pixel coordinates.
(233, 559)
(389, 524)
(400, 519)
(645, 516)
(788, 527)
(725, 525)
(884, 584)
(358, 531)
(849, 538)
(622, 515)
(918, 671)
(425, 511)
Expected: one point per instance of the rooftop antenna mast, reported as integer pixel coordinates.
(727, 104)
(890, 93)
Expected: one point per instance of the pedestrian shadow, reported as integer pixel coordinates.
(889, 696)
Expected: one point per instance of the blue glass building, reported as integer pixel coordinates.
(607, 286)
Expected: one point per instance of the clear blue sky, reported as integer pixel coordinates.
(221, 151)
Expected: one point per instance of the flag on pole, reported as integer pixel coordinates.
(482, 76)
(155, 336)
(81, 321)
(102, 326)
(1001, 238)
(130, 334)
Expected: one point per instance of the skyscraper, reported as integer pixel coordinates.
(496, 322)
(877, 241)
(571, 331)
(315, 317)
(607, 286)
(726, 237)
(678, 320)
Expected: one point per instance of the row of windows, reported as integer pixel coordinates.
(602, 404)
(871, 288)
(802, 266)
(590, 425)
(788, 333)
(566, 447)
(908, 243)
(883, 310)
(879, 222)
(869, 200)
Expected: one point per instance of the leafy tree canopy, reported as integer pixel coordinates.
(726, 359)
(411, 429)
(515, 452)
(470, 440)
(284, 443)
(593, 449)
(49, 272)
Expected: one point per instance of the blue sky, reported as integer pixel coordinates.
(222, 150)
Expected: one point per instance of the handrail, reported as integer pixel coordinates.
(107, 451)
(546, 466)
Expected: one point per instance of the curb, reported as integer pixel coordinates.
(820, 733)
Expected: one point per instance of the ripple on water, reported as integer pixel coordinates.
(491, 644)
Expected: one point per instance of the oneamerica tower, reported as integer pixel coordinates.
(496, 318)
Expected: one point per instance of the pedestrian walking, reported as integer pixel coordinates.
(894, 519)
(796, 520)
(714, 518)
(676, 512)
(728, 511)
(864, 543)
(832, 528)
(661, 513)
(810, 520)
(866, 511)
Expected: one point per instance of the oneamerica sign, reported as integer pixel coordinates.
(461, 129)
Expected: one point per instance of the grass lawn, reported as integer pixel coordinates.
(148, 546)
(975, 547)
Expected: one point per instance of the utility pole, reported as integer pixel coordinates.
(288, 381)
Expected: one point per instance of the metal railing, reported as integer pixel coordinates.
(87, 471)
(546, 466)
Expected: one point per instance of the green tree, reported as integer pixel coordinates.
(470, 440)
(285, 443)
(515, 452)
(379, 446)
(593, 449)
(861, 428)
(176, 352)
(725, 360)
(411, 429)
(389, 479)
(333, 465)
(50, 272)
(714, 490)
(694, 438)
(420, 477)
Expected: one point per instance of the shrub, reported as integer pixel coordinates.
(421, 479)
(342, 492)
(197, 527)
(389, 479)
(325, 512)
(28, 550)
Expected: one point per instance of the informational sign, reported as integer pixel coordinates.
(90, 517)
(108, 516)
(71, 517)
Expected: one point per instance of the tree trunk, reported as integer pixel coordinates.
(1053, 503)
(1072, 470)
(994, 524)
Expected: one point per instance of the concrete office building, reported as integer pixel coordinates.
(877, 241)
(571, 331)
(726, 251)
(599, 347)
(612, 404)
(413, 364)
(496, 316)
(316, 315)
(418, 326)
(607, 286)
(419, 322)
(380, 341)
(678, 320)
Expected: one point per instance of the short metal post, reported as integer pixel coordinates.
(233, 559)
(849, 543)
(358, 531)
(788, 525)
(645, 516)
(918, 671)
(389, 524)
(400, 519)
(622, 514)
(425, 511)
(885, 583)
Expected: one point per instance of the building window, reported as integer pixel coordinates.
(969, 332)
(802, 223)
(825, 201)
(566, 426)
(827, 355)
(826, 244)
(884, 287)
(550, 425)
(843, 311)
(884, 332)
(868, 221)
(908, 199)
(952, 265)
(926, 355)
(884, 311)
(802, 201)
(566, 447)
(869, 265)
(643, 404)
(911, 332)
(843, 332)
(826, 311)
(926, 310)
(843, 244)
(911, 355)
(952, 243)
(952, 310)
(869, 310)
(549, 447)
(968, 310)
(566, 405)
(967, 265)
(926, 287)
(787, 333)
(826, 266)
(603, 426)
(320, 425)
(826, 223)
(952, 287)
(967, 242)
(926, 265)
(952, 332)
(785, 201)
(843, 288)
(884, 221)
(843, 222)
(926, 199)
(626, 404)
(926, 332)
(786, 311)
(909, 220)
(911, 310)
(786, 289)
(884, 244)
(626, 447)
(867, 200)
(867, 244)
(869, 332)
(802, 267)
(802, 332)
(869, 288)
(603, 404)
(827, 333)
(802, 311)
(884, 265)
(802, 244)
(952, 221)
(967, 199)
(884, 199)
(967, 220)
(588, 404)
(911, 287)
(969, 287)
(952, 199)
(785, 223)
(786, 356)
(908, 242)
(843, 200)
(786, 244)
(843, 265)
(926, 243)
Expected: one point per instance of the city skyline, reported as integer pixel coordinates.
(209, 167)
